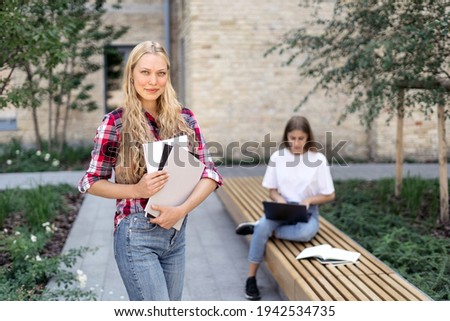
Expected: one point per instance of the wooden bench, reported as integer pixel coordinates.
(368, 279)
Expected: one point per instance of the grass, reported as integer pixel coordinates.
(402, 232)
(34, 206)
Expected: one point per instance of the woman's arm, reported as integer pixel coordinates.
(148, 185)
(318, 199)
(170, 215)
(275, 196)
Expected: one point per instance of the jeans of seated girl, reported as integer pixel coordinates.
(151, 259)
(264, 228)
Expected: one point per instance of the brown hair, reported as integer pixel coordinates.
(299, 123)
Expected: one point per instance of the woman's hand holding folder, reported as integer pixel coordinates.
(168, 217)
(150, 184)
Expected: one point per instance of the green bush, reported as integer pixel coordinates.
(14, 158)
(25, 269)
(25, 277)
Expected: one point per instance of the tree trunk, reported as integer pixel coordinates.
(443, 175)
(67, 109)
(33, 109)
(36, 129)
(58, 105)
(50, 109)
(399, 144)
(65, 120)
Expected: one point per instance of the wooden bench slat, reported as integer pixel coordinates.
(319, 295)
(402, 286)
(367, 287)
(368, 279)
(377, 279)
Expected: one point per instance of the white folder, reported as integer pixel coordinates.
(185, 171)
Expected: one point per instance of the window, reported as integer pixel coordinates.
(115, 60)
(8, 119)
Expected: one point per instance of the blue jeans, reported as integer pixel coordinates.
(150, 258)
(264, 228)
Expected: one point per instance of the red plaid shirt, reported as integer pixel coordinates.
(104, 153)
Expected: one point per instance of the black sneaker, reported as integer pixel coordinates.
(251, 289)
(245, 228)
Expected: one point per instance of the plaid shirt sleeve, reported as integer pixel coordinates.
(103, 155)
(202, 151)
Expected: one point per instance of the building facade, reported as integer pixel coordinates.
(241, 97)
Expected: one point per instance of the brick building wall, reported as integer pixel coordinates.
(220, 72)
(238, 94)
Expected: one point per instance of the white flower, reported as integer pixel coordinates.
(81, 278)
(38, 258)
(9, 162)
(15, 241)
(380, 51)
(5, 230)
(47, 157)
(38, 153)
(17, 233)
(55, 162)
(401, 56)
(49, 228)
(17, 152)
(27, 257)
(33, 238)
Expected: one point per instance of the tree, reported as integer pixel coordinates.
(66, 38)
(19, 40)
(86, 37)
(386, 55)
(28, 40)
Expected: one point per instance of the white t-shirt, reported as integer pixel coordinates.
(297, 177)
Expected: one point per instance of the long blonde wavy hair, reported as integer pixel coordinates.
(130, 166)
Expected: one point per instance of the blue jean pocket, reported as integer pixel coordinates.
(140, 223)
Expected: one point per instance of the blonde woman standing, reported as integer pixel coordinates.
(148, 251)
